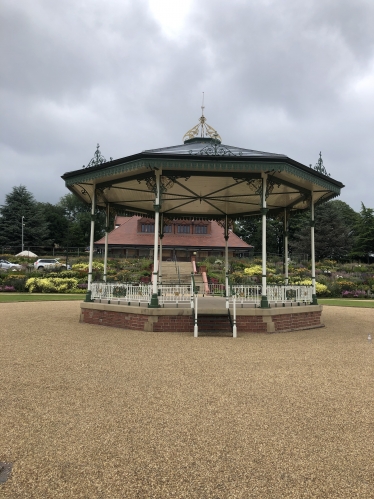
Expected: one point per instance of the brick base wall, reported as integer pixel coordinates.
(297, 321)
(275, 322)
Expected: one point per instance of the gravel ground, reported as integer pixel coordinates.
(104, 413)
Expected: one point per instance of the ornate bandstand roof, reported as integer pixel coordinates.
(201, 178)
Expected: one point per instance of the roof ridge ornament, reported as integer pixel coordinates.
(98, 158)
(202, 129)
(319, 166)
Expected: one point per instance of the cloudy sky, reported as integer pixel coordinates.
(283, 76)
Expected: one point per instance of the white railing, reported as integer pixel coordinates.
(175, 294)
(284, 294)
(116, 292)
(214, 290)
(183, 293)
(246, 294)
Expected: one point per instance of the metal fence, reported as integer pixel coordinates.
(183, 293)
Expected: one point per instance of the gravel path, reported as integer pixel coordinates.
(103, 413)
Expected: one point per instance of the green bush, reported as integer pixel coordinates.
(51, 285)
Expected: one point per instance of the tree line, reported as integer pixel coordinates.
(340, 232)
(64, 224)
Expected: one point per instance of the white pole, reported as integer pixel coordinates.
(285, 247)
(92, 236)
(22, 231)
(195, 328)
(160, 259)
(227, 262)
(264, 300)
(154, 299)
(106, 241)
(313, 255)
(234, 329)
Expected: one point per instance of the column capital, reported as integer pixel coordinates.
(264, 211)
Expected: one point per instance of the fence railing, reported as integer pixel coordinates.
(113, 292)
(183, 293)
(174, 294)
(283, 294)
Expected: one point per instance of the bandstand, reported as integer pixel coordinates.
(202, 179)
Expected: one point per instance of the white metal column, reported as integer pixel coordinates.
(264, 300)
(160, 257)
(154, 299)
(285, 247)
(227, 262)
(312, 249)
(106, 241)
(92, 237)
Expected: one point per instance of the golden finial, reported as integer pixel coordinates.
(202, 129)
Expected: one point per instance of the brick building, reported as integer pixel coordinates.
(133, 237)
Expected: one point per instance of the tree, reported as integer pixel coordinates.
(20, 202)
(250, 230)
(334, 231)
(365, 232)
(57, 222)
(78, 217)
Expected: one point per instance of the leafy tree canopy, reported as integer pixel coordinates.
(20, 202)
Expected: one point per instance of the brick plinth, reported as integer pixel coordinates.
(181, 320)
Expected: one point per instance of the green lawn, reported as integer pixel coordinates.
(344, 302)
(16, 297)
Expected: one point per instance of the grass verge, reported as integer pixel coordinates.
(343, 302)
(17, 297)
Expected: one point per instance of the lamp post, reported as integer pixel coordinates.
(22, 230)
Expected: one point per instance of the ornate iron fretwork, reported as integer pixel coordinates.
(215, 149)
(319, 166)
(222, 223)
(166, 182)
(270, 184)
(255, 184)
(84, 191)
(98, 158)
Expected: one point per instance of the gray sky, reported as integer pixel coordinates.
(283, 76)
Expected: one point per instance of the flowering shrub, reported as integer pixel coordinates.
(321, 289)
(7, 289)
(354, 294)
(345, 284)
(257, 270)
(84, 266)
(51, 285)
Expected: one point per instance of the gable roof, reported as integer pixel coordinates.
(127, 235)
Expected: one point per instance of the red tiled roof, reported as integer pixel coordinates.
(127, 235)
